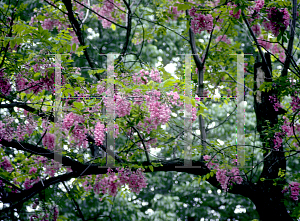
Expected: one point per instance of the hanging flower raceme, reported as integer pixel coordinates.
(49, 141)
(201, 22)
(223, 38)
(235, 15)
(111, 182)
(278, 20)
(256, 29)
(294, 188)
(5, 86)
(224, 177)
(99, 133)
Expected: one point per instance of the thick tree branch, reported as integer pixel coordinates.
(170, 165)
(77, 29)
(291, 41)
(50, 3)
(128, 32)
(268, 74)
(28, 108)
(200, 66)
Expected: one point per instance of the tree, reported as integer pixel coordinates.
(33, 127)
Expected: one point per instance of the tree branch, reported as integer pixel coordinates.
(77, 29)
(74, 201)
(291, 41)
(121, 26)
(258, 46)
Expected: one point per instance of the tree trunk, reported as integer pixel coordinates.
(268, 198)
(269, 204)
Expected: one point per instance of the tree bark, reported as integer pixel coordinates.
(268, 202)
(268, 198)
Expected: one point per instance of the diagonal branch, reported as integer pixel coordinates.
(74, 201)
(77, 29)
(258, 46)
(291, 41)
(142, 140)
(128, 32)
(200, 66)
(121, 26)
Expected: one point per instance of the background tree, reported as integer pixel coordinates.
(139, 32)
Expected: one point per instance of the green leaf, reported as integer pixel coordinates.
(207, 176)
(151, 168)
(12, 43)
(182, 7)
(36, 76)
(74, 47)
(284, 39)
(279, 37)
(168, 83)
(113, 27)
(236, 10)
(68, 47)
(193, 102)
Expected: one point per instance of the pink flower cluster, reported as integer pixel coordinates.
(275, 49)
(173, 10)
(30, 182)
(44, 83)
(254, 11)
(294, 187)
(112, 182)
(101, 87)
(201, 22)
(237, 14)
(295, 103)
(40, 159)
(79, 131)
(55, 213)
(256, 29)
(52, 168)
(6, 165)
(278, 140)
(278, 20)
(223, 176)
(142, 76)
(159, 112)
(259, 4)
(5, 86)
(30, 125)
(99, 133)
(123, 106)
(32, 170)
(107, 10)
(264, 43)
(50, 23)
(287, 129)
(276, 104)
(49, 141)
(174, 97)
(224, 39)
(154, 75)
(6, 130)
